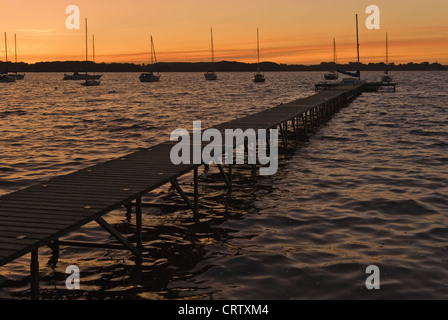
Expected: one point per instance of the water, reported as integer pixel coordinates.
(370, 187)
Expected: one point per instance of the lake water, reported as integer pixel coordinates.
(369, 188)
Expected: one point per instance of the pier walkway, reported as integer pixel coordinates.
(46, 212)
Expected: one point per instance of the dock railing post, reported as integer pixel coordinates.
(230, 176)
(138, 226)
(34, 270)
(196, 191)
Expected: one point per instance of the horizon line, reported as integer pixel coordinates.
(222, 61)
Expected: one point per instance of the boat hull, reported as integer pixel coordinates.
(149, 77)
(91, 83)
(258, 78)
(82, 77)
(386, 79)
(7, 79)
(18, 76)
(210, 76)
(331, 76)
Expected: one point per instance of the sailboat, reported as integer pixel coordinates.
(211, 75)
(4, 77)
(357, 74)
(386, 77)
(16, 75)
(150, 76)
(78, 76)
(91, 82)
(258, 77)
(333, 74)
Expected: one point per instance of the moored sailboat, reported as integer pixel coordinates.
(4, 77)
(386, 77)
(91, 82)
(211, 75)
(149, 76)
(16, 75)
(333, 74)
(76, 76)
(357, 74)
(258, 77)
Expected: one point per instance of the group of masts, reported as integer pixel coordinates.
(147, 76)
(151, 76)
(211, 75)
(6, 76)
(333, 74)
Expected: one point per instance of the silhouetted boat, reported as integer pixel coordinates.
(333, 74)
(91, 82)
(81, 76)
(16, 75)
(386, 77)
(4, 77)
(357, 74)
(150, 76)
(76, 76)
(258, 77)
(355, 77)
(211, 75)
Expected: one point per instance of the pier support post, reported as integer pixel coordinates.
(295, 127)
(310, 115)
(284, 134)
(176, 186)
(128, 211)
(304, 125)
(34, 270)
(226, 178)
(138, 224)
(54, 246)
(230, 176)
(119, 237)
(196, 188)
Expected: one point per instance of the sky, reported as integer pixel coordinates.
(291, 31)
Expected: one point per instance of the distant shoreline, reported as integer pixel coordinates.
(223, 66)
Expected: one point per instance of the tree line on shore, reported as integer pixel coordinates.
(222, 66)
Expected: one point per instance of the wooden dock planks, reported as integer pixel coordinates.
(42, 213)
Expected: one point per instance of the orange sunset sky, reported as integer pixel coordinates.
(291, 31)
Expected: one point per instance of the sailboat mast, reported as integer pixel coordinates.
(15, 47)
(334, 51)
(87, 57)
(357, 40)
(258, 51)
(213, 51)
(387, 50)
(357, 37)
(93, 47)
(154, 50)
(6, 52)
(151, 59)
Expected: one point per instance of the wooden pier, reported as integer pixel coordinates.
(43, 214)
(368, 87)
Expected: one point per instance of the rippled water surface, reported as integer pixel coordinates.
(370, 187)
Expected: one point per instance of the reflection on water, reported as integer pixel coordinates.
(370, 187)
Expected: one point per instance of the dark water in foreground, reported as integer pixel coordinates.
(370, 187)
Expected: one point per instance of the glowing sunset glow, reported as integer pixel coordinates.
(295, 32)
